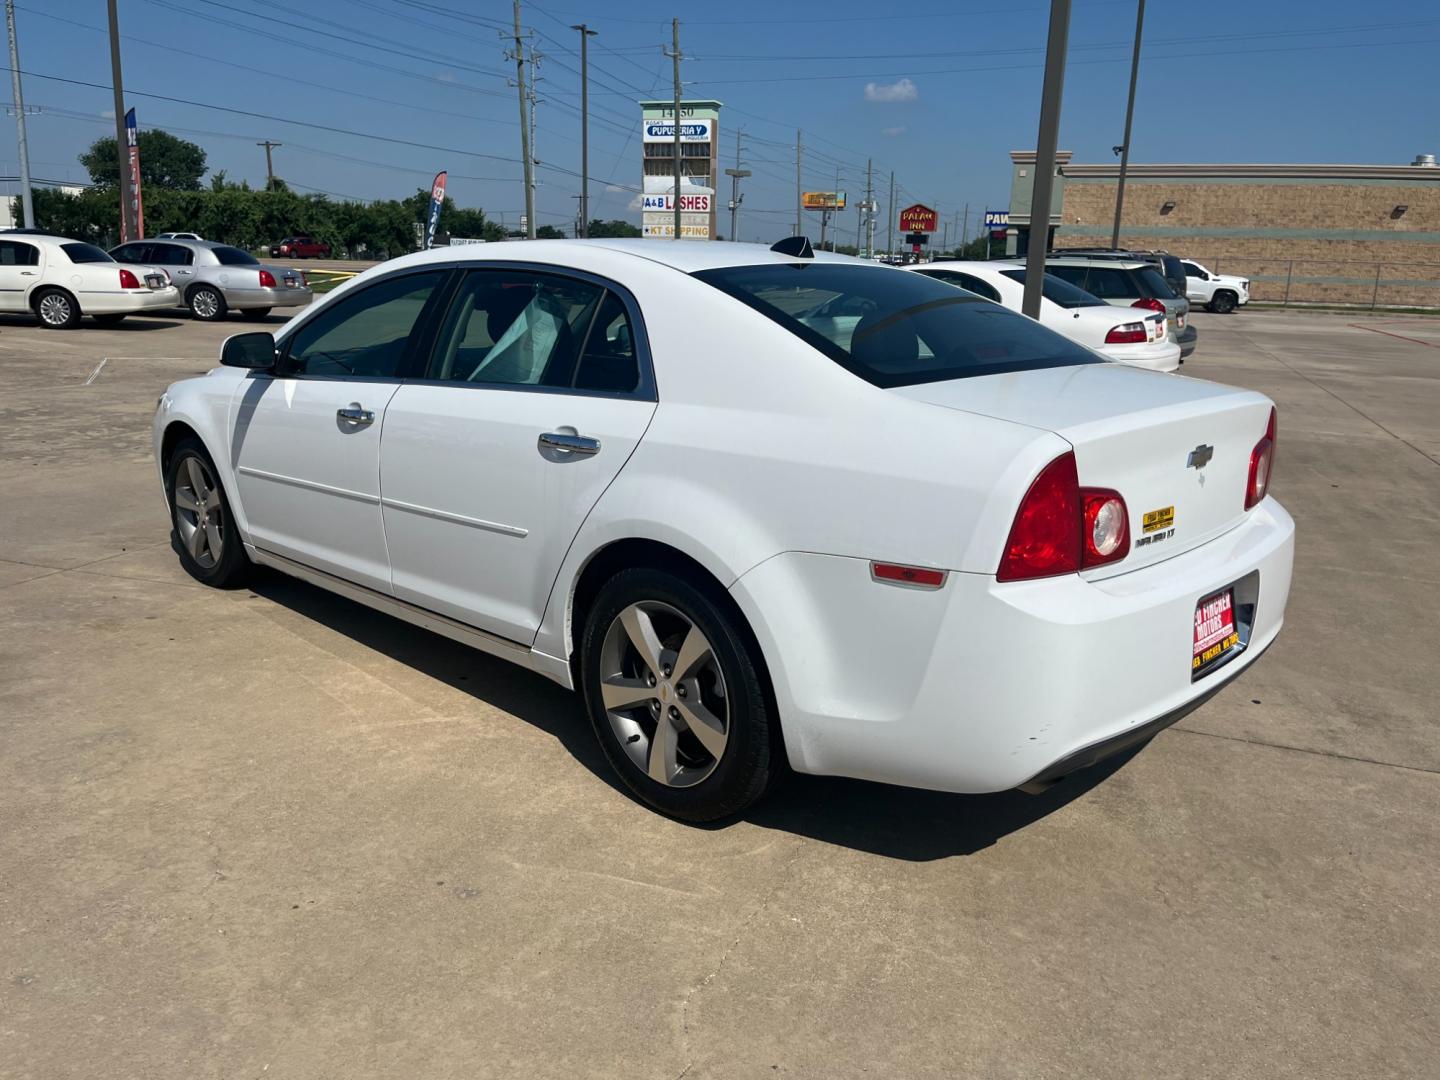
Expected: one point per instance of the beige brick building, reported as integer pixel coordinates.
(1352, 234)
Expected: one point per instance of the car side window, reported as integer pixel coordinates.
(515, 328)
(14, 253)
(1108, 284)
(170, 255)
(132, 253)
(366, 334)
(1075, 275)
(1191, 270)
(978, 287)
(608, 361)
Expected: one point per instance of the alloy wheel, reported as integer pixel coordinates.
(664, 694)
(54, 309)
(199, 517)
(205, 303)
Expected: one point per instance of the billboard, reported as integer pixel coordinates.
(918, 218)
(692, 226)
(997, 219)
(698, 202)
(691, 130)
(822, 200)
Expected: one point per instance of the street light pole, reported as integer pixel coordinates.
(736, 175)
(1129, 115)
(527, 163)
(585, 35)
(1046, 142)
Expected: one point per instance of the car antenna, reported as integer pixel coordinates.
(797, 247)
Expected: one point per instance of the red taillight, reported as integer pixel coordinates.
(1131, 333)
(128, 280)
(1061, 527)
(1045, 539)
(1106, 527)
(919, 577)
(267, 279)
(1150, 304)
(1262, 464)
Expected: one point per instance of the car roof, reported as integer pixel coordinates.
(687, 256)
(1085, 260)
(178, 240)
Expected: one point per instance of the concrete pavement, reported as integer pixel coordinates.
(269, 833)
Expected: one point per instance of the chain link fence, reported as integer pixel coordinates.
(1348, 284)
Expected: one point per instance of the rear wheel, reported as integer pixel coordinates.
(255, 312)
(56, 309)
(206, 303)
(676, 697)
(109, 320)
(1223, 302)
(204, 533)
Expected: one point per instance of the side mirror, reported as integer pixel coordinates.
(255, 351)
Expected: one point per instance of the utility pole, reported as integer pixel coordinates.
(122, 152)
(835, 236)
(675, 57)
(269, 167)
(1046, 141)
(533, 89)
(585, 35)
(890, 229)
(799, 220)
(736, 174)
(26, 204)
(1129, 115)
(529, 165)
(869, 208)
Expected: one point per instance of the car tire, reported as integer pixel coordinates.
(1223, 302)
(255, 312)
(206, 303)
(109, 320)
(56, 309)
(201, 520)
(723, 695)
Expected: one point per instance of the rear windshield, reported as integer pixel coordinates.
(229, 256)
(1155, 283)
(1059, 291)
(892, 328)
(85, 253)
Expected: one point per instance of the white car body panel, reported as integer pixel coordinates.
(783, 476)
(1086, 326)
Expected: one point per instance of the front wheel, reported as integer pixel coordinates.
(677, 697)
(57, 310)
(204, 533)
(1222, 303)
(206, 304)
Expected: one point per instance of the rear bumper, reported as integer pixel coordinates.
(128, 301)
(1187, 340)
(268, 298)
(987, 686)
(1159, 356)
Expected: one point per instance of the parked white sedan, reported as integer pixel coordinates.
(939, 546)
(59, 280)
(1137, 337)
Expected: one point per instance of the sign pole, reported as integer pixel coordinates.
(1045, 144)
(1129, 115)
(122, 155)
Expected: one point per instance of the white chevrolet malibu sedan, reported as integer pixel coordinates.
(938, 545)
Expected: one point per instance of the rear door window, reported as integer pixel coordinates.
(907, 328)
(1153, 284)
(1111, 283)
(15, 253)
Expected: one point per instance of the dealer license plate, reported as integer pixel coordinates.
(1215, 633)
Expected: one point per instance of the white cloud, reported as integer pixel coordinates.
(903, 90)
(108, 114)
(893, 131)
(636, 202)
(613, 187)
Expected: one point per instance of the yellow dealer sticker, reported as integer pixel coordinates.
(1155, 520)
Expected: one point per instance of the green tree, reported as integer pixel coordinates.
(613, 228)
(549, 232)
(165, 162)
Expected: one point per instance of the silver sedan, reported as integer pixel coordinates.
(216, 278)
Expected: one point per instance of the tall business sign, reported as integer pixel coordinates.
(917, 223)
(437, 200)
(699, 144)
(137, 206)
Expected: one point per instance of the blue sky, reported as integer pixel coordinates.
(940, 93)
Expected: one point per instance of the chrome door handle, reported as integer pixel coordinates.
(356, 416)
(569, 444)
(27, 273)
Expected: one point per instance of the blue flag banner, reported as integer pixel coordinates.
(437, 198)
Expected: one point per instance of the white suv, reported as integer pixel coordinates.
(1220, 293)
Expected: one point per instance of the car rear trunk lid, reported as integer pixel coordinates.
(1177, 449)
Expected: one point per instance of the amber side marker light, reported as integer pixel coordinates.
(916, 577)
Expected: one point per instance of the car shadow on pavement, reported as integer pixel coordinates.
(894, 822)
(131, 322)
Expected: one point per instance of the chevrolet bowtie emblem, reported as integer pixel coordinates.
(1200, 457)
